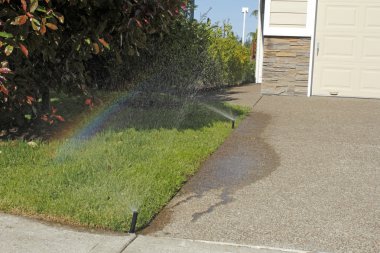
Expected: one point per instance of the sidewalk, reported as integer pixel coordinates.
(22, 235)
(146, 244)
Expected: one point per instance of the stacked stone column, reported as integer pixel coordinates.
(286, 65)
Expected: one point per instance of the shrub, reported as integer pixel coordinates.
(56, 40)
(73, 46)
(181, 62)
(233, 57)
(191, 56)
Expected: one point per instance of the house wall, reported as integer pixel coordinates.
(288, 42)
(286, 65)
(290, 14)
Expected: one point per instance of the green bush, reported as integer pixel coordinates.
(181, 62)
(76, 46)
(191, 56)
(233, 57)
(48, 45)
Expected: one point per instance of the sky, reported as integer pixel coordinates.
(229, 10)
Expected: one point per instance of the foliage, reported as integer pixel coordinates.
(196, 55)
(192, 56)
(56, 39)
(233, 57)
(74, 46)
(181, 62)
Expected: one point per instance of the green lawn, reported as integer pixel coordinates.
(139, 162)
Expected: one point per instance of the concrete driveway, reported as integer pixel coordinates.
(299, 173)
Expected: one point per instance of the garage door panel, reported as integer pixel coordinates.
(335, 77)
(341, 16)
(371, 47)
(372, 17)
(347, 60)
(339, 46)
(369, 80)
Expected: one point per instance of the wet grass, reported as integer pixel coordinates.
(139, 161)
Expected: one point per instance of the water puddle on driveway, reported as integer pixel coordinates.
(243, 159)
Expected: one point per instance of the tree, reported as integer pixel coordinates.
(254, 38)
(228, 51)
(255, 13)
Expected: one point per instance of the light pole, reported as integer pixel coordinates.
(244, 10)
(192, 8)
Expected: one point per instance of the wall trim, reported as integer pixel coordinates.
(259, 46)
(286, 32)
(312, 12)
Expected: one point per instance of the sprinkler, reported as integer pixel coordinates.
(132, 229)
(233, 124)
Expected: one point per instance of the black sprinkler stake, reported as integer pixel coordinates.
(233, 124)
(132, 229)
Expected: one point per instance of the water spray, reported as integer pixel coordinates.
(233, 124)
(132, 229)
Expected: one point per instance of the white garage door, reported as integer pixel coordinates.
(347, 49)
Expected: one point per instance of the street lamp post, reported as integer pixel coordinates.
(244, 10)
(192, 8)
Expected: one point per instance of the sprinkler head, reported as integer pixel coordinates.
(233, 124)
(132, 229)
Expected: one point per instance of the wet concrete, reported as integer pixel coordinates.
(243, 159)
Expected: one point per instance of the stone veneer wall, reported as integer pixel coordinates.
(286, 65)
